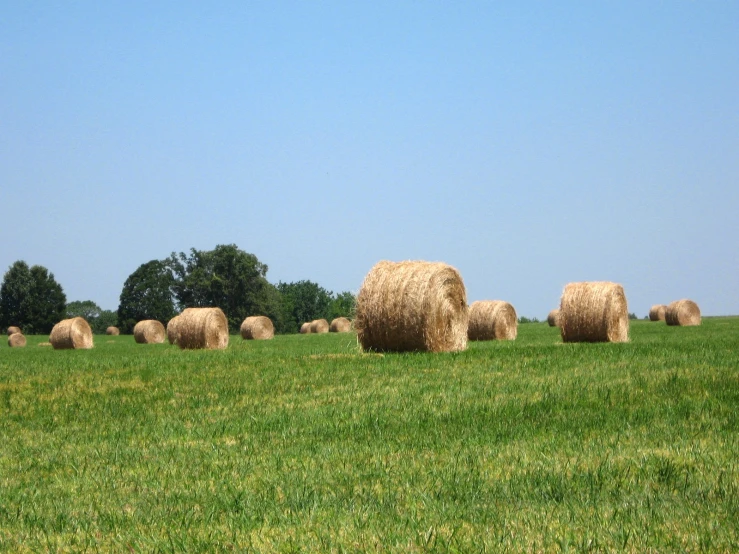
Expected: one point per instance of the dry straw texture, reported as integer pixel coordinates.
(594, 312)
(319, 326)
(257, 327)
(16, 339)
(71, 333)
(149, 331)
(492, 320)
(112, 331)
(683, 312)
(340, 325)
(172, 330)
(305, 328)
(12, 330)
(412, 306)
(202, 328)
(553, 318)
(657, 312)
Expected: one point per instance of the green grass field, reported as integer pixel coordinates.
(303, 443)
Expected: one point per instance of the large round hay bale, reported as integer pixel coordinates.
(305, 328)
(172, 330)
(657, 312)
(16, 340)
(553, 318)
(149, 331)
(257, 327)
(492, 320)
(71, 333)
(319, 326)
(683, 312)
(594, 311)
(340, 325)
(112, 330)
(12, 330)
(202, 328)
(412, 306)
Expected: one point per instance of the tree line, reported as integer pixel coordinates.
(225, 277)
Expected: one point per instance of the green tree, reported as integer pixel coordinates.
(148, 293)
(98, 318)
(304, 301)
(225, 277)
(343, 304)
(31, 299)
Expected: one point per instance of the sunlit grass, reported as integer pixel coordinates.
(305, 443)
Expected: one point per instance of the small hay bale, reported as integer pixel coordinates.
(202, 328)
(305, 328)
(657, 312)
(683, 312)
(149, 331)
(257, 327)
(594, 311)
(112, 330)
(412, 306)
(73, 333)
(340, 325)
(16, 340)
(492, 320)
(553, 318)
(319, 326)
(172, 330)
(12, 330)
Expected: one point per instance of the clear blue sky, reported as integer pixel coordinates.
(529, 144)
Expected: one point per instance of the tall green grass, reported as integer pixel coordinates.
(303, 443)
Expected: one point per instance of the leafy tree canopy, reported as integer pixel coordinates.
(31, 299)
(147, 294)
(304, 301)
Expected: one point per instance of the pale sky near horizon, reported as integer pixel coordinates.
(528, 144)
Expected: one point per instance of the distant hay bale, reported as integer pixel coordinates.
(149, 331)
(112, 331)
(340, 325)
(172, 330)
(72, 333)
(257, 327)
(492, 320)
(683, 312)
(657, 312)
(412, 306)
(319, 326)
(16, 340)
(202, 328)
(305, 328)
(13, 330)
(594, 311)
(553, 318)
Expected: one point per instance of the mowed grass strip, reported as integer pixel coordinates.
(304, 443)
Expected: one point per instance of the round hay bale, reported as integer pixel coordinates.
(12, 330)
(257, 327)
(172, 330)
(340, 325)
(319, 326)
(16, 340)
(71, 333)
(202, 328)
(594, 311)
(683, 312)
(149, 331)
(112, 330)
(492, 320)
(657, 312)
(412, 306)
(553, 318)
(305, 328)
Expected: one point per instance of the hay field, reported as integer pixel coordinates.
(303, 443)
